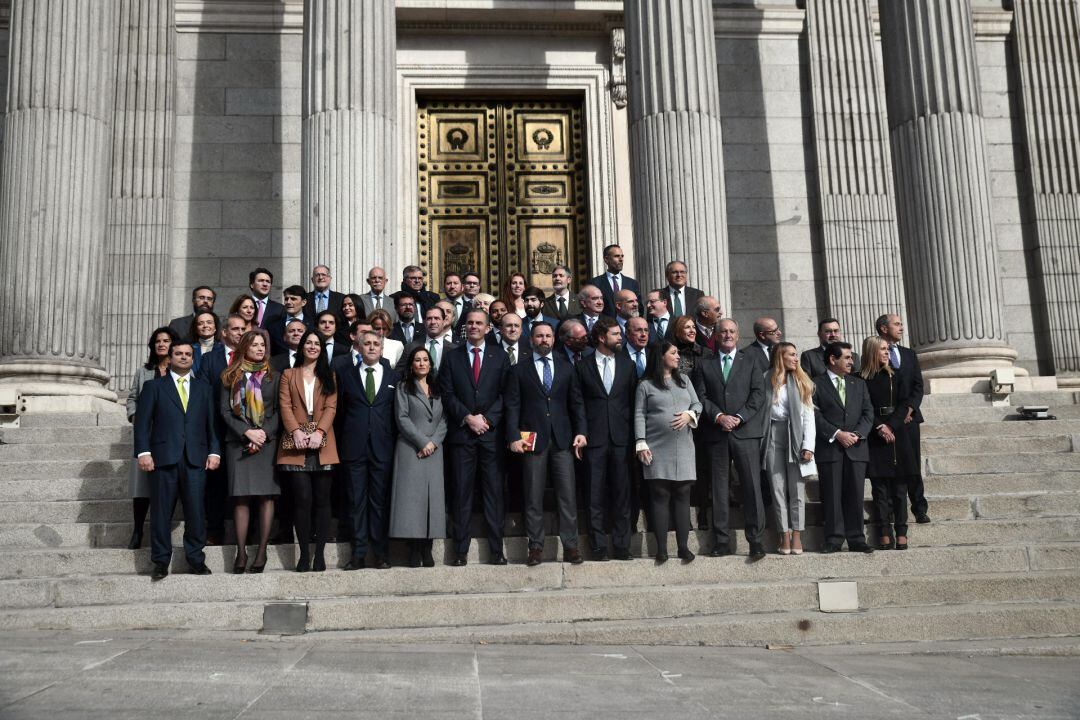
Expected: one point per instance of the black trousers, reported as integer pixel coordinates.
(743, 454)
(188, 483)
(609, 494)
(663, 493)
(557, 465)
(481, 460)
(842, 486)
(216, 502)
(369, 498)
(308, 490)
(890, 501)
(915, 489)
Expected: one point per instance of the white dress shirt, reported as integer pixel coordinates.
(376, 376)
(538, 363)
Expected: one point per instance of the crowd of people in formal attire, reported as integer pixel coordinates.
(401, 414)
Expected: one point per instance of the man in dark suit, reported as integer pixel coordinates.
(471, 386)
(533, 299)
(844, 418)
(731, 389)
(613, 280)
(326, 324)
(294, 300)
(321, 296)
(905, 364)
(202, 300)
(562, 303)
(626, 307)
(543, 397)
(592, 307)
(287, 359)
(406, 329)
(607, 387)
(766, 335)
(217, 481)
(412, 285)
(680, 297)
(574, 340)
(813, 360)
(512, 340)
(659, 316)
(637, 349)
(706, 316)
(352, 359)
(434, 339)
(365, 408)
(454, 293)
(175, 440)
(268, 313)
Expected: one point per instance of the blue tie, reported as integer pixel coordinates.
(894, 357)
(322, 302)
(640, 363)
(547, 373)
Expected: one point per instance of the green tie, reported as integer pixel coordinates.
(183, 392)
(433, 351)
(727, 367)
(677, 305)
(840, 388)
(369, 385)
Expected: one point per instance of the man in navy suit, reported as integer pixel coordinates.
(533, 299)
(608, 384)
(366, 445)
(268, 313)
(295, 307)
(661, 323)
(680, 297)
(471, 385)
(543, 397)
(613, 280)
(175, 440)
(321, 296)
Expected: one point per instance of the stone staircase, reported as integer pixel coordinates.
(1001, 559)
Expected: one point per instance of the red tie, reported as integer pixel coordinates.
(476, 365)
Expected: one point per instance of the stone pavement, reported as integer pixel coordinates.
(177, 674)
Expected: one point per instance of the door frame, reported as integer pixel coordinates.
(590, 80)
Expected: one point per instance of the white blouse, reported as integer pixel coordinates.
(309, 394)
(779, 410)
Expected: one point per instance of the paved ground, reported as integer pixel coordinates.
(189, 675)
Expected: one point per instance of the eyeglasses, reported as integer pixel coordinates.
(320, 274)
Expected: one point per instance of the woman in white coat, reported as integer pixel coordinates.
(787, 447)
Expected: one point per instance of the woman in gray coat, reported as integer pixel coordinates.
(417, 499)
(666, 409)
(156, 365)
(249, 408)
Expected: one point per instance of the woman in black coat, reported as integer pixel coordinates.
(893, 457)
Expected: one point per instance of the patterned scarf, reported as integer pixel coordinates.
(247, 398)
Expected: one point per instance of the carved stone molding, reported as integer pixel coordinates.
(618, 67)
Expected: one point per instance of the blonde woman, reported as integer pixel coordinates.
(382, 324)
(893, 455)
(787, 447)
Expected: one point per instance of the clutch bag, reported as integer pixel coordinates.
(307, 427)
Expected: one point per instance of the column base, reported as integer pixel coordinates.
(967, 369)
(58, 387)
(1068, 382)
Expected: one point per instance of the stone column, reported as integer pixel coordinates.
(137, 247)
(943, 188)
(54, 186)
(1048, 56)
(350, 142)
(677, 162)
(858, 217)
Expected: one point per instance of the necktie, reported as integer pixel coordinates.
(607, 375)
(262, 309)
(433, 351)
(228, 356)
(589, 321)
(547, 373)
(640, 363)
(369, 385)
(615, 283)
(660, 326)
(378, 302)
(320, 305)
(511, 351)
(406, 330)
(183, 392)
(676, 306)
(356, 360)
(577, 357)
(292, 358)
(842, 390)
(727, 367)
(562, 307)
(476, 365)
(894, 357)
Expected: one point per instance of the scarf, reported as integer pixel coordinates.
(247, 398)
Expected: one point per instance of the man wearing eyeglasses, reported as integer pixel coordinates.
(377, 298)
(680, 297)
(321, 297)
(766, 335)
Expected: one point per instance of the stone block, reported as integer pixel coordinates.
(1004, 158)
(197, 214)
(991, 53)
(1001, 131)
(255, 214)
(197, 271)
(224, 186)
(763, 157)
(838, 596)
(756, 238)
(200, 46)
(229, 243)
(744, 184)
(257, 46)
(262, 101)
(237, 74)
(231, 130)
(780, 104)
(287, 129)
(1009, 237)
(287, 185)
(200, 157)
(752, 293)
(776, 211)
(1012, 263)
(261, 157)
(200, 100)
(287, 242)
(235, 275)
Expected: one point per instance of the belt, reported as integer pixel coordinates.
(885, 411)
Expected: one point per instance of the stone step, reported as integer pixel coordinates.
(1000, 428)
(75, 420)
(990, 483)
(47, 469)
(31, 452)
(945, 416)
(1005, 463)
(1016, 399)
(994, 444)
(67, 435)
(66, 489)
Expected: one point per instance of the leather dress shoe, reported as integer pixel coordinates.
(161, 571)
(757, 551)
(860, 547)
(622, 554)
(573, 556)
(355, 563)
(922, 518)
(497, 559)
(200, 569)
(460, 561)
(829, 547)
(536, 556)
(720, 551)
(136, 540)
(381, 563)
(213, 539)
(598, 555)
(686, 556)
(661, 558)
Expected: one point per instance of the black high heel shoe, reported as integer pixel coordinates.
(425, 554)
(319, 563)
(255, 568)
(240, 565)
(136, 540)
(415, 559)
(303, 564)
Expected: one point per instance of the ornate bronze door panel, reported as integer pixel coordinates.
(501, 189)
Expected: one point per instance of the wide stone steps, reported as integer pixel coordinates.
(1025, 462)
(999, 428)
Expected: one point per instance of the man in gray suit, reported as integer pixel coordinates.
(844, 417)
(731, 388)
(766, 335)
(813, 360)
(377, 298)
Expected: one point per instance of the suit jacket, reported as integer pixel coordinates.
(170, 434)
(526, 324)
(856, 415)
(742, 394)
(565, 353)
(182, 326)
(813, 362)
(755, 351)
(337, 350)
(424, 298)
(273, 315)
(709, 343)
(690, 296)
(609, 416)
(281, 362)
(277, 330)
(397, 333)
(551, 307)
(556, 416)
(669, 329)
(387, 305)
(911, 381)
(333, 303)
(343, 362)
(584, 321)
(294, 412)
(367, 429)
(444, 347)
(604, 284)
(461, 396)
(210, 368)
(199, 355)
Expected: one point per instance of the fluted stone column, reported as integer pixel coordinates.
(676, 157)
(349, 137)
(1048, 58)
(861, 242)
(139, 235)
(943, 188)
(54, 187)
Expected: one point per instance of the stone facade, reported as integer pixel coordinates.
(235, 183)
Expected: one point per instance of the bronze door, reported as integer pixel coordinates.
(501, 190)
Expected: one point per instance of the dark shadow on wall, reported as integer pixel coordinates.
(813, 182)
